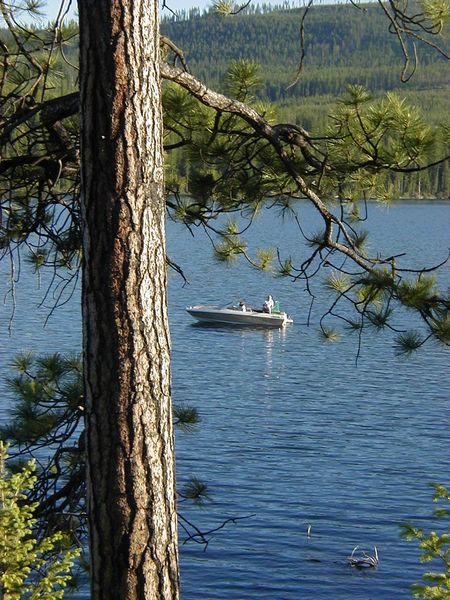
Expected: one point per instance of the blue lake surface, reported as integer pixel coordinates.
(291, 432)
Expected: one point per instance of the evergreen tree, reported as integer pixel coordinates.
(31, 568)
(435, 547)
(238, 157)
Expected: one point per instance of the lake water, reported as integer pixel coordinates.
(291, 432)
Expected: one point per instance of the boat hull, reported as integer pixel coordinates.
(235, 316)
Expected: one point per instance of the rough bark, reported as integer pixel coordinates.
(131, 488)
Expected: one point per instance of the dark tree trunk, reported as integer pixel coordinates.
(131, 487)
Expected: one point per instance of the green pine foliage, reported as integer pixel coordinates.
(368, 146)
(343, 47)
(30, 568)
(407, 343)
(329, 334)
(46, 420)
(338, 283)
(435, 549)
(419, 293)
(50, 389)
(345, 50)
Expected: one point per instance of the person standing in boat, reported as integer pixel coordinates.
(242, 306)
(268, 304)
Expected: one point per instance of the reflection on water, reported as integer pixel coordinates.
(246, 334)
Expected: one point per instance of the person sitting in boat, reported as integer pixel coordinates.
(268, 304)
(242, 306)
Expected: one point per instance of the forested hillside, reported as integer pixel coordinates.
(343, 45)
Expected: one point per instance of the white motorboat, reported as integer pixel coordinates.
(235, 315)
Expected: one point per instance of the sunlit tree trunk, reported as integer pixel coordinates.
(131, 488)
